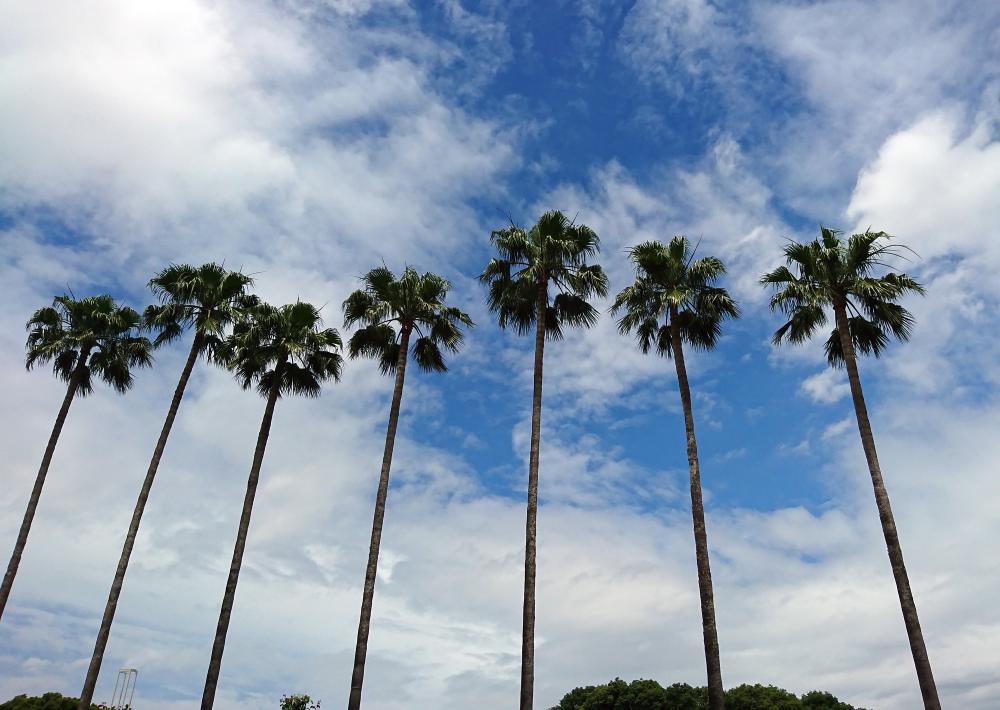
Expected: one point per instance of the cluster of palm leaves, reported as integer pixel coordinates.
(542, 279)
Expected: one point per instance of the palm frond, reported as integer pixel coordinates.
(377, 342)
(93, 335)
(209, 297)
(647, 333)
(866, 337)
(833, 272)
(299, 380)
(670, 281)
(801, 325)
(414, 301)
(445, 331)
(513, 244)
(553, 253)
(427, 355)
(515, 302)
(574, 311)
(282, 349)
(701, 324)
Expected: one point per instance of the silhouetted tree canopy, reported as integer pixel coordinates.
(49, 701)
(298, 702)
(650, 695)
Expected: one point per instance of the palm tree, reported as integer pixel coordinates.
(672, 301)
(389, 310)
(830, 272)
(283, 350)
(552, 255)
(207, 300)
(81, 338)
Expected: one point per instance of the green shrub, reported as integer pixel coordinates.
(761, 697)
(298, 702)
(650, 695)
(49, 701)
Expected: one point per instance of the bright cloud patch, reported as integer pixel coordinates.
(827, 386)
(936, 183)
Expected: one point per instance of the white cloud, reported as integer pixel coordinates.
(674, 41)
(815, 109)
(826, 387)
(891, 61)
(934, 186)
(838, 428)
(222, 130)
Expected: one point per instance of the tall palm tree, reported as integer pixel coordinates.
(837, 274)
(81, 338)
(389, 310)
(205, 299)
(529, 266)
(283, 350)
(672, 301)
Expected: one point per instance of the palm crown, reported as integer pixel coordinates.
(284, 347)
(832, 272)
(207, 298)
(554, 251)
(85, 337)
(672, 287)
(412, 302)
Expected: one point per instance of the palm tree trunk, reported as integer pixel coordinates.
(361, 649)
(215, 664)
(716, 697)
(87, 694)
(925, 676)
(530, 527)
(36, 491)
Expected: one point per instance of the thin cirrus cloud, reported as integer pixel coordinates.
(306, 141)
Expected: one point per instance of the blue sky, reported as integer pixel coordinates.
(306, 141)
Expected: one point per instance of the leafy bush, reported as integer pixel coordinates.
(49, 701)
(650, 695)
(298, 702)
(820, 700)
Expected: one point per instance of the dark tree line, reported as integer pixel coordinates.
(650, 695)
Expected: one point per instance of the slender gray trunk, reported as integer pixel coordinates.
(215, 664)
(928, 689)
(530, 526)
(36, 491)
(716, 696)
(364, 624)
(90, 682)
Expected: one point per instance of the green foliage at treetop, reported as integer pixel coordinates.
(49, 701)
(298, 702)
(650, 695)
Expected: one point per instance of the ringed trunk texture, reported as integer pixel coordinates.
(215, 664)
(43, 470)
(530, 527)
(716, 697)
(90, 682)
(925, 676)
(368, 597)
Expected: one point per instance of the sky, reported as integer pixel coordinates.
(306, 141)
